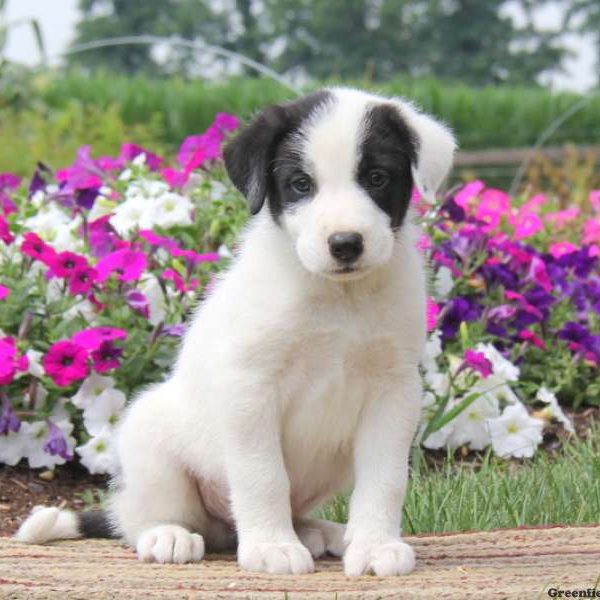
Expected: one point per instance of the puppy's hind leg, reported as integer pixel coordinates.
(157, 507)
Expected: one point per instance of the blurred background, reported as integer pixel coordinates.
(508, 76)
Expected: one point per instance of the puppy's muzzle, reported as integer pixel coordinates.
(346, 247)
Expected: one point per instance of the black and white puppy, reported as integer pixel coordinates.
(298, 377)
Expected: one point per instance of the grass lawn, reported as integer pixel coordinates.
(549, 489)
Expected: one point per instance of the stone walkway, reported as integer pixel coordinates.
(515, 563)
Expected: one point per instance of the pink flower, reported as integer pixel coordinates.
(591, 231)
(433, 310)
(562, 217)
(36, 248)
(66, 362)
(177, 279)
(10, 360)
(5, 235)
(4, 292)
(559, 249)
(102, 237)
(8, 182)
(106, 357)
(130, 151)
(226, 122)
(490, 218)
(81, 280)
(174, 178)
(478, 362)
(539, 274)
(157, 240)
(92, 338)
(468, 192)
(138, 302)
(595, 200)
(195, 257)
(494, 201)
(529, 336)
(527, 224)
(128, 264)
(424, 242)
(534, 203)
(64, 264)
(83, 174)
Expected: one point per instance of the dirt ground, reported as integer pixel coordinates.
(21, 489)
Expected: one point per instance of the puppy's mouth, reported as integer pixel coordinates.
(346, 273)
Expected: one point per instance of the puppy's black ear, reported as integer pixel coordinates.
(248, 156)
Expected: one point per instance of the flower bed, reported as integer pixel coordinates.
(101, 263)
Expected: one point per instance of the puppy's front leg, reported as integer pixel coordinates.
(381, 453)
(260, 491)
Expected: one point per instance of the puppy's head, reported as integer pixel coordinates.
(336, 170)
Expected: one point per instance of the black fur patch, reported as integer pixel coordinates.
(250, 156)
(95, 524)
(390, 146)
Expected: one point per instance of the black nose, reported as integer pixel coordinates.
(346, 246)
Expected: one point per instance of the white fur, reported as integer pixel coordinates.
(292, 384)
(47, 524)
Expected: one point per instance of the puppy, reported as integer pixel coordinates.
(298, 377)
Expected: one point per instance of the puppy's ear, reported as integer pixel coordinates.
(249, 154)
(435, 150)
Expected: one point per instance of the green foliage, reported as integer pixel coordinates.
(564, 488)
(482, 117)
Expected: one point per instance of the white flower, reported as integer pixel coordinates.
(104, 411)
(224, 251)
(217, 190)
(102, 206)
(438, 439)
(515, 433)
(125, 175)
(91, 389)
(494, 387)
(98, 454)
(433, 348)
(12, 447)
(84, 308)
(157, 304)
(146, 189)
(38, 199)
(172, 209)
(444, 282)
(438, 382)
(470, 426)
(556, 412)
(36, 435)
(135, 212)
(139, 160)
(502, 368)
(35, 366)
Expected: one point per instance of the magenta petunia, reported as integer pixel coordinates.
(433, 311)
(93, 337)
(559, 249)
(195, 257)
(226, 122)
(529, 336)
(468, 193)
(8, 182)
(64, 264)
(180, 284)
(591, 231)
(127, 264)
(563, 217)
(37, 249)
(594, 199)
(5, 234)
(81, 280)
(478, 362)
(66, 362)
(154, 239)
(11, 361)
(106, 356)
(130, 151)
(4, 292)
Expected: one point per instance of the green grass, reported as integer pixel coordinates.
(564, 488)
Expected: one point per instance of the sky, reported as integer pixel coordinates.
(58, 18)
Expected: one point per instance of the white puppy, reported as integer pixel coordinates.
(298, 377)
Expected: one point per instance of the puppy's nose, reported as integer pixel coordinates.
(346, 246)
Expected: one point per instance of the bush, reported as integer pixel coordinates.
(101, 262)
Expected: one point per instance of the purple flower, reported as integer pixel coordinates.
(173, 330)
(39, 178)
(8, 419)
(138, 302)
(106, 357)
(8, 182)
(455, 312)
(56, 444)
(499, 274)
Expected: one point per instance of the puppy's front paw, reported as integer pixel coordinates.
(391, 558)
(277, 558)
(170, 544)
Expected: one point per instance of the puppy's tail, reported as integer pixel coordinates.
(46, 524)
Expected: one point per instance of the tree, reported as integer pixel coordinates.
(583, 16)
(469, 40)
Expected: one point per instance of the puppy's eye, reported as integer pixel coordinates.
(377, 178)
(302, 184)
